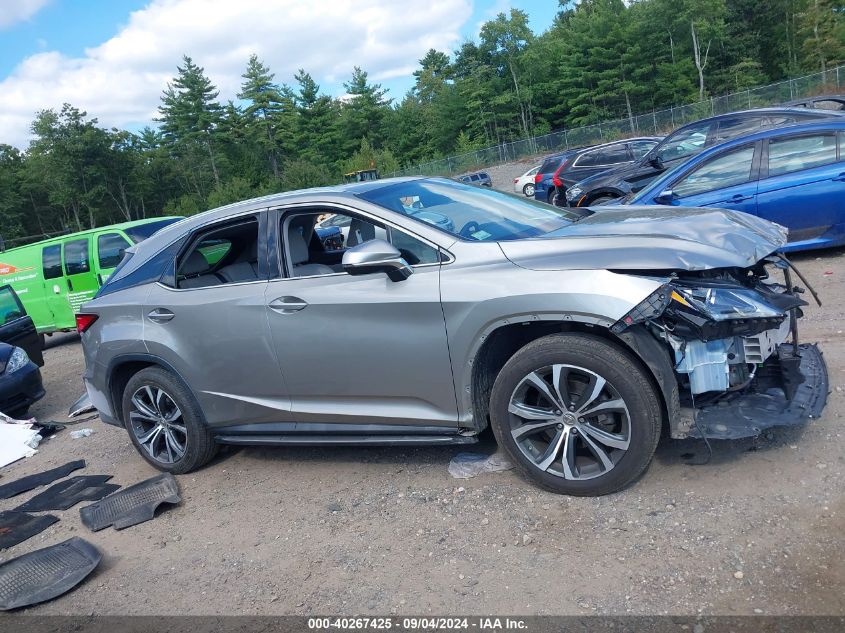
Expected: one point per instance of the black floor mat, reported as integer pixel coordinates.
(41, 479)
(46, 573)
(67, 494)
(16, 527)
(131, 505)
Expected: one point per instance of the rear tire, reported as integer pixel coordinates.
(165, 423)
(592, 434)
(528, 190)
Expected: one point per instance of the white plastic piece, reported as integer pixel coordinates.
(81, 433)
(17, 441)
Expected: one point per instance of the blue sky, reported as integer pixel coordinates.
(113, 57)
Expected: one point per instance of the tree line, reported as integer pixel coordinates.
(598, 60)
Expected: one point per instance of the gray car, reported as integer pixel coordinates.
(579, 337)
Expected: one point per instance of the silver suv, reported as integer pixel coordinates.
(579, 336)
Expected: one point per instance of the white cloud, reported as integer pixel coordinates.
(121, 80)
(14, 11)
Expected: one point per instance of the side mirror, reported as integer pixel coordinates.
(376, 256)
(656, 162)
(667, 196)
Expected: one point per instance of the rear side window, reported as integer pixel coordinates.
(10, 307)
(224, 255)
(51, 261)
(738, 126)
(829, 104)
(612, 155)
(110, 247)
(794, 154)
(550, 166)
(76, 257)
(726, 170)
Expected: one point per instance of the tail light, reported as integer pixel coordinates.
(538, 178)
(515, 180)
(556, 178)
(84, 321)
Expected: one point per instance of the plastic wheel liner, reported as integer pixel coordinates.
(131, 505)
(41, 479)
(46, 573)
(67, 494)
(16, 527)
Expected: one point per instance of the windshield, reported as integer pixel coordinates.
(141, 232)
(470, 213)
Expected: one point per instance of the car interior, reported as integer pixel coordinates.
(226, 255)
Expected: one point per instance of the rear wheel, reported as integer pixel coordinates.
(528, 190)
(576, 414)
(164, 423)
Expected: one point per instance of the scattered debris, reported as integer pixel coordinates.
(16, 527)
(81, 433)
(131, 505)
(466, 465)
(66, 494)
(30, 482)
(48, 429)
(18, 439)
(82, 405)
(46, 573)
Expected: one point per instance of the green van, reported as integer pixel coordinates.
(53, 278)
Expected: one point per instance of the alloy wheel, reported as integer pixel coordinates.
(569, 421)
(529, 190)
(157, 424)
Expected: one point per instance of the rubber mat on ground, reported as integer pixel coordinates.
(40, 479)
(16, 527)
(46, 573)
(131, 505)
(67, 494)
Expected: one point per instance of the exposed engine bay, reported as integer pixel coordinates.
(733, 341)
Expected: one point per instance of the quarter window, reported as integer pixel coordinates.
(727, 170)
(794, 154)
(76, 257)
(51, 261)
(110, 247)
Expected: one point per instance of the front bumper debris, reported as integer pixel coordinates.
(764, 405)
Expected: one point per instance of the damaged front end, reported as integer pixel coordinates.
(732, 338)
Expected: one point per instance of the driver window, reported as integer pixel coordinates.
(315, 242)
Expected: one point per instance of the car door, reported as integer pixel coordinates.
(207, 320)
(802, 185)
(16, 326)
(360, 350)
(79, 274)
(55, 289)
(727, 180)
(110, 249)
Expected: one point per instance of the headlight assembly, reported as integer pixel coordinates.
(724, 303)
(17, 360)
(573, 193)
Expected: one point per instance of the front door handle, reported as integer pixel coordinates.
(287, 305)
(840, 177)
(740, 198)
(160, 315)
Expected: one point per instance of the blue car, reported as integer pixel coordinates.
(794, 176)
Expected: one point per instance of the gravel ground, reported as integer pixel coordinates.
(376, 530)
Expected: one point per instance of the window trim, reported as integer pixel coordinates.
(283, 213)
(598, 150)
(754, 176)
(764, 162)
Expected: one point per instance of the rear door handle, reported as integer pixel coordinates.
(840, 177)
(160, 315)
(287, 305)
(738, 197)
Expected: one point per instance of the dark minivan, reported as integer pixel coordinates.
(560, 171)
(682, 144)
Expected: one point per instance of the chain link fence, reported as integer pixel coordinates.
(658, 122)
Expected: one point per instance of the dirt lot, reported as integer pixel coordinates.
(367, 530)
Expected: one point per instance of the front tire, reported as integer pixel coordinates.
(164, 422)
(528, 190)
(576, 414)
(601, 200)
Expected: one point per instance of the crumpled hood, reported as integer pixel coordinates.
(651, 238)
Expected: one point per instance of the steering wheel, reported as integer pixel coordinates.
(469, 228)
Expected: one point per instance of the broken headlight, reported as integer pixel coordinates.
(723, 303)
